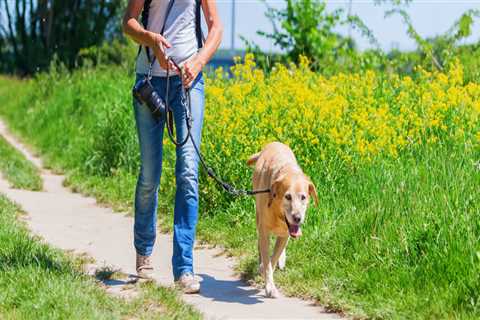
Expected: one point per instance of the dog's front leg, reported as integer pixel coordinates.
(263, 243)
(278, 252)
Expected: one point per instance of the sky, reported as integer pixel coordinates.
(429, 18)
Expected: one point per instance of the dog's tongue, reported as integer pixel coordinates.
(294, 230)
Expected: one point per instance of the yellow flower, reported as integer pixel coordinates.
(352, 117)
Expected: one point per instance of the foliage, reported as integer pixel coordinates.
(395, 160)
(116, 52)
(305, 28)
(33, 32)
(443, 49)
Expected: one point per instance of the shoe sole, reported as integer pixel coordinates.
(191, 291)
(145, 276)
(186, 290)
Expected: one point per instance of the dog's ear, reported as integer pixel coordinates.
(312, 191)
(274, 189)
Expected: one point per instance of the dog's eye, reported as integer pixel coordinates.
(288, 197)
(303, 197)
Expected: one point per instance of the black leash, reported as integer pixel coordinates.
(187, 105)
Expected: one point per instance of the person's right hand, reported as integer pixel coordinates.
(160, 44)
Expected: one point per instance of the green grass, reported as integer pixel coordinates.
(38, 282)
(20, 172)
(394, 239)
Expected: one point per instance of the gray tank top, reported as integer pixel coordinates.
(179, 31)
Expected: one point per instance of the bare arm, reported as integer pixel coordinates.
(137, 32)
(215, 32)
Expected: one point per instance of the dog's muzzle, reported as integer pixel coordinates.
(294, 230)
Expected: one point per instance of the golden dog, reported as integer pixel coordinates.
(282, 211)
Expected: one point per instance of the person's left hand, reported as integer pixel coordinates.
(191, 69)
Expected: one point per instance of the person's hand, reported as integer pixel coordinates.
(160, 44)
(191, 69)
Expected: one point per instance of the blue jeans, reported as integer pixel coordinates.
(150, 135)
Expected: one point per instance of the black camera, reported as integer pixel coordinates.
(146, 93)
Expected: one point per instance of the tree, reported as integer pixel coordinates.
(442, 49)
(34, 32)
(306, 28)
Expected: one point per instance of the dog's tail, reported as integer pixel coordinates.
(251, 161)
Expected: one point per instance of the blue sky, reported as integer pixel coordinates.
(429, 18)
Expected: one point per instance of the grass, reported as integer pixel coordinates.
(38, 282)
(395, 237)
(20, 172)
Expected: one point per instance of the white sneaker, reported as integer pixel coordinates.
(188, 283)
(144, 267)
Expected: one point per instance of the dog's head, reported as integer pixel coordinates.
(292, 192)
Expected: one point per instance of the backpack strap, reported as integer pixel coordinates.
(144, 20)
(198, 23)
(146, 12)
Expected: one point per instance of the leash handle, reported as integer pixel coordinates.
(169, 111)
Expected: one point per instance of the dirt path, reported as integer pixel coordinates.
(71, 221)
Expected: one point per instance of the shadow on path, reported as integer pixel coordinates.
(228, 291)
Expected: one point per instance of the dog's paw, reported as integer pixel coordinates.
(271, 291)
(282, 260)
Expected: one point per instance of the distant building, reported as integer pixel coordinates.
(224, 59)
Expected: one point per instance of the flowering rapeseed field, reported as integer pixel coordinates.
(353, 117)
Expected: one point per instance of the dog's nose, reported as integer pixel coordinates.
(297, 218)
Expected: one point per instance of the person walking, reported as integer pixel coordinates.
(170, 29)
